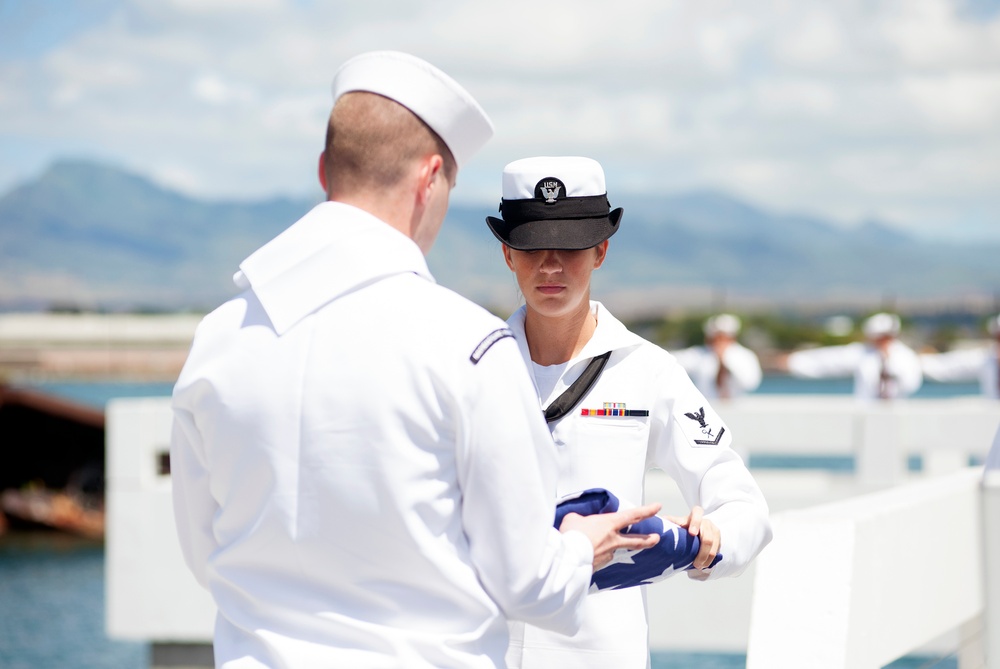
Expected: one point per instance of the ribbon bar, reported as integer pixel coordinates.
(614, 412)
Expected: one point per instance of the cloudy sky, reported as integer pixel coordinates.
(846, 109)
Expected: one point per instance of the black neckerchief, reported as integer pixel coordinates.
(563, 404)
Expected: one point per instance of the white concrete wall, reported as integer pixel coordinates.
(879, 435)
(151, 595)
(859, 583)
(693, 616)
(38, 329)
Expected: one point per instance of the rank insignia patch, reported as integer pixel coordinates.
(614, 409)
(486, 343)
(710, 438)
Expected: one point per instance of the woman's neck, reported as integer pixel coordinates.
(553, 340)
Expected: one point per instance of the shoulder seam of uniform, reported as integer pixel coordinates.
(487, 342)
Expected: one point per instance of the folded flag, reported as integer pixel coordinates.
(675, 552)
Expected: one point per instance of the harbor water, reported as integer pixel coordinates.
(52, 613)
(52, 585)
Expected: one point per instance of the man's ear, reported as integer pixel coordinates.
(430, 167)
(322, 172)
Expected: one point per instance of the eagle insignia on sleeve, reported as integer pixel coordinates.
(699, 416)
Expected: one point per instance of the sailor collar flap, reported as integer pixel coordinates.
(610, 335)
(331, 251)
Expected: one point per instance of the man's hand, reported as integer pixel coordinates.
(706, 531)
(604, 531)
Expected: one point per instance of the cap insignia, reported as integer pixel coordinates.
(551, 189)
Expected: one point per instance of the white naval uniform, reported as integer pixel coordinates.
(864, 363)
(702, 365)
(352, 489)
(615, 453)
(966, 365)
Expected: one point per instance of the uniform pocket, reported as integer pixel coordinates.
(609, 452)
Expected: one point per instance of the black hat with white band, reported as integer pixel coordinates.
(554, 203)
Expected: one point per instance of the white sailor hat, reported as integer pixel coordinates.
(437, 99)
(993, 325)
(554, 203)
(881, 325)
(726, 324)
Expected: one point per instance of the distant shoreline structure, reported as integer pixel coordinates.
(144, 347)
(152, 347)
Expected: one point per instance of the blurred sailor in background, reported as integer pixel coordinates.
(973, 364)
(883, 367)
(722, 367)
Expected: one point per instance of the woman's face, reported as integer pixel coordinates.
(555, 283)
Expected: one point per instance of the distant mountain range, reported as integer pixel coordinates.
(88, 235)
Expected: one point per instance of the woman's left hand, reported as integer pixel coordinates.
(706, 531)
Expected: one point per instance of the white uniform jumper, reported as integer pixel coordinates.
(702, 365)
(901, 378)
(975, 364)
(352, 487)
(682, 435)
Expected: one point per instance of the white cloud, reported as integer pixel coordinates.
(178, 177)
(783, 98)
(817, 38)
(930, 34)
(75, 78)
(303, 117)
(839, 109)
(959, 102)
(225, 7)
(212, 89)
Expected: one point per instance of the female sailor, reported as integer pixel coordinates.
(617, 406)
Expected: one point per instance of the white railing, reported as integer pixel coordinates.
(858, 583)
(880, 436)
(152, 597)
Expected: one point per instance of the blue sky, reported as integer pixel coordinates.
(846, 109)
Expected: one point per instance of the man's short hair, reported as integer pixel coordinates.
(371, 141)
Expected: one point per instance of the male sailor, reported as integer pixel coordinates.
(721, 368)
(972, 364)
(883, 367)
(361, 477)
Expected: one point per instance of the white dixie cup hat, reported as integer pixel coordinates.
(726, 324)
(433, 96)
(881, 325)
